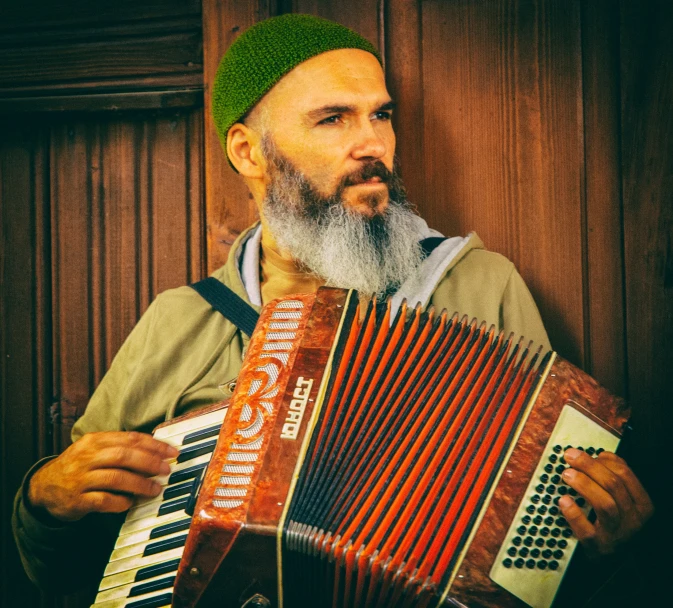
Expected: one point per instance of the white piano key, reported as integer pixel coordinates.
(129, 576)
(168, 434)
(138, 561)
(139, 548)
(124, 540)
(122, 602)
(150, 522)
(122, 591)
(144, 506)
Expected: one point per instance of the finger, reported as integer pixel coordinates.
(106, 502)
(132, 439)
(604, 477)
(583, 529)
(131, 459)
(621, 469)
(602, 502)
(119, 480)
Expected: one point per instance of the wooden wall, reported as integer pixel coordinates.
(544, 125)
(102, 206)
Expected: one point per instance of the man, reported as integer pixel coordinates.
(304, 115)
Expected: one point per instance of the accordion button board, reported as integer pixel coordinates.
(539, 543)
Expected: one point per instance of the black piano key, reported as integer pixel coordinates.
(174, 505)
(156, 569)
(153, 602)
(173, 491)
(165, 545)
(194, 493)
(211, 431)
(196, 450)
(187, 473)
(174, 526)
(162, 583)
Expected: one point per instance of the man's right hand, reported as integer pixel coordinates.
(102, 472)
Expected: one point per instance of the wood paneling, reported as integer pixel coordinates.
(43, 14)
(128, 223)
(25, 349)
(363, 16)
(647, 178)
(503, 148)
(229, 207)
(52, 56)
(405, 84)
(605, 342)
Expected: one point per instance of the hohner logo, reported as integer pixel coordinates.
(297, 407)
(260, 405)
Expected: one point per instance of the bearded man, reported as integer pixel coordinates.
(304, 115)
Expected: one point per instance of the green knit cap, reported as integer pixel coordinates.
(262, 55)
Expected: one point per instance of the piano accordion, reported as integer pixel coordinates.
(412, 459)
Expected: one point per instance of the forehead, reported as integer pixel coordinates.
(348, 76)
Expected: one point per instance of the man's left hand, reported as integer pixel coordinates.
(621, 503)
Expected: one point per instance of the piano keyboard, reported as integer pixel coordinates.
(145, 559)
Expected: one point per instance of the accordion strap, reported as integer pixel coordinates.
(228, 304)
(430, 244)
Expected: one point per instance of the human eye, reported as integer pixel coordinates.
(331, 120)
(384, 115)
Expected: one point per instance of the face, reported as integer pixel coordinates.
(331, 118)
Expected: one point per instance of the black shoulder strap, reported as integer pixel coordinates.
(226, 302)
(430, 244)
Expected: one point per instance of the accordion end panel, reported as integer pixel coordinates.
(523, 542)
(220, 520)
(230, 555)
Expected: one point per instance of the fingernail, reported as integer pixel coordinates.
(156, 489)
(565, 501)
(164, 468)
(569, 474)
(172, 451)
(571, 454)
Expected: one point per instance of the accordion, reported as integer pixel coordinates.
(407, 459)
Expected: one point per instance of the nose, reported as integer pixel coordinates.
(369, 144)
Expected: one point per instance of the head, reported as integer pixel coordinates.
(317, 152)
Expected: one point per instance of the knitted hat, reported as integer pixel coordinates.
(262, 55)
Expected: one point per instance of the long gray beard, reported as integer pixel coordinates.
(342, 247)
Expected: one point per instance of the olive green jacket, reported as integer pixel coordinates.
(182, 355)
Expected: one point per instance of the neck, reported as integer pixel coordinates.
(269, 244)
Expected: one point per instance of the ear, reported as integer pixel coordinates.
(244, 151)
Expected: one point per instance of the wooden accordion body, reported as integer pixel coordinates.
(407, 461)
(388, 462)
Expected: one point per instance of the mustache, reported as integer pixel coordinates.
(366, 172)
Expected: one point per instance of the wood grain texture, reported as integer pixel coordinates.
(81, 48)
(25, 354)
(128, 223)
(503, 146)
(647, 181)
(404, 77)
(605, 356)
(363, 16)
(44, 14)
(229, 206)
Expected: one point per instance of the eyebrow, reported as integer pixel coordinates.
(335, 109)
